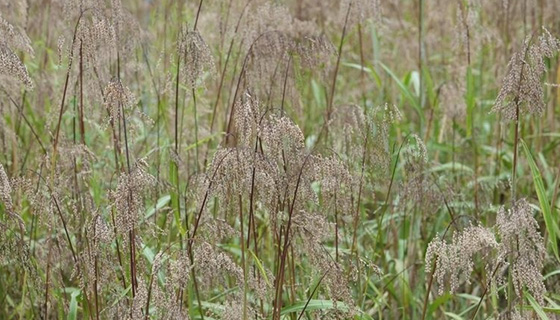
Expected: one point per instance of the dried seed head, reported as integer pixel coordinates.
(522, 90)
(264, 19)
(6, 198)
(313, 229)
(233, 310)
(452, 100)
(117, 98)
(5, 189)
(15, 38)
(241, 171)
(416, 160)
(364, 136)
(455, 261)
(246, 119)
(281, 133)
(72, 9)
(180, 270)
(360, 11)
(128, 197)
(520, 238)
(315, 51)
(196, 58)
(139, 300)
(100, 231)
(470, 32)
(60, 48)
(128, 31)
(214, 265)
(15, 7)
(11, 66)
(380, 122)
(96, 40)
(336, 184)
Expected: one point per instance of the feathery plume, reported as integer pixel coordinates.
(11, 66)
(522, 90)
(520, 237)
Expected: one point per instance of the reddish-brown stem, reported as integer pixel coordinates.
(223, 74)
(284, 248)
(81, 110)
(337, 65)
(241, 75)
(61, 111)
(285, 85)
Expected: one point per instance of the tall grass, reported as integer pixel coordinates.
(279, 159)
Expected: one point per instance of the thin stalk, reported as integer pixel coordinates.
(243, 263)
(194, 92)
(387, 196)
(119, 255)
(420, 52)
(362, 64)
(284, 248)
(515, 148)
(237, 88)
(430, 282)
(192, 236)
(285, 85)
(177, 142)
(484, 294)
(336, 229)
(337, 65)
(222, 76)
(81, 109)
(131, 233)
(517, 102)
(177, 76)
(195, 129)
(47, 282)
(67, 233)
(96, 296)
(66, 81)
(20, 110)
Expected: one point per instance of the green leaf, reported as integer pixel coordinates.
(553, 273)
(317, 93)
(438, 302)
(549, 219)
(536, 307)
(260, 266)
(123, 294)
(369, 70)
(453, 316)
(162, 202)
(73, 309)
(149, 254)
(456, 166)
(176, 197)
(203, 141)
(314, 305)
(405, 91)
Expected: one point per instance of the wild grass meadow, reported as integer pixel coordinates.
(279, 159)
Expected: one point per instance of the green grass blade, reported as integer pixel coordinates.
(405, 91)
(470, 101)
(549, 219)
(260, 266)
(315, 305)
(73, 308)
(536, 307)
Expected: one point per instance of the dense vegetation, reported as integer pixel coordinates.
(279, 159)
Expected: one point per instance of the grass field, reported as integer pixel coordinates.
(279, 159)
